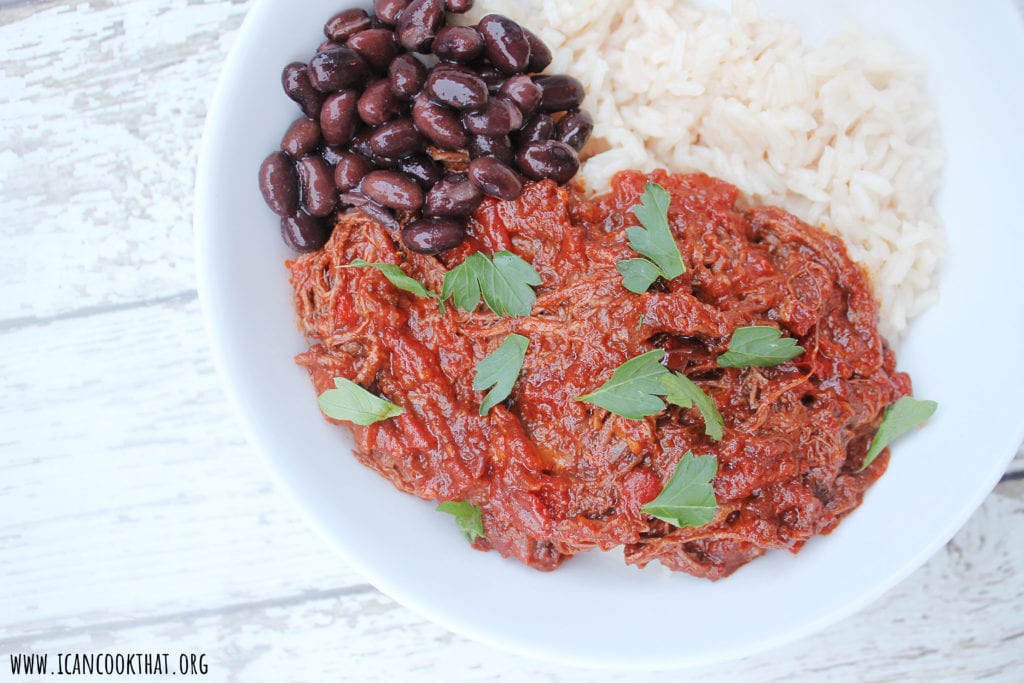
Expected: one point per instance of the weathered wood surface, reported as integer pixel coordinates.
(133, 515)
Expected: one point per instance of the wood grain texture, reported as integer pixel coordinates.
(134, 516)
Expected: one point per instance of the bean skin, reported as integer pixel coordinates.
(460, 44)
(296, 84)
(346, 23)
(455, 195)
(392, 189)
(361, 144)
(439, 124)
(279, 184)
(396, 139)
(560, 92)
(349, 171)
(458, 6)
(319, 196)
(552, 159)
(574, 128)
(422, 169)
(372, 209)
(377, 46)
(418, 24)
(301, 138)
(387, 11)
(523, 92)
(378, 104)
(540, 128)
(499, 147)
(304, 233)
(338, 117)
(505, 44)
(495, 179)
(406, 75)
(337, 69)
(433, 235)
(498, 117)
(456, 89)
(540, 54)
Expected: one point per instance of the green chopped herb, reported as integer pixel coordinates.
(652, 238)
(683, 392)
(759, 346)
(899, 418)
(352, 403)
(505, 281)
(634, 388)
(500, 370)
(688, 499)
(398, 278)
(467, 516)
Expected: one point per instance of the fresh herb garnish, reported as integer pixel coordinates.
(688, 498)
(899, 418)
(652, 238)
(352, 403)
(759, 346)
(467, 517)
(505, 281)
(398, 278)
(636, 387)
(500, 370)
(683, 392)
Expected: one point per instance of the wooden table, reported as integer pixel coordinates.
(133, 515)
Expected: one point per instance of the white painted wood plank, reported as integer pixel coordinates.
(101, 112)
(954, 620)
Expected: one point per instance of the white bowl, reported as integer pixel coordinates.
(966, 353)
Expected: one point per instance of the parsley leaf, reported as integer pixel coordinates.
(467, 516)
(398, 278)
(688, 498)
(683, 392)
(352, 403)
(759, 346)
(505, 281)
(633, 389)
(500, 370)
(899, 418)
(652, 238)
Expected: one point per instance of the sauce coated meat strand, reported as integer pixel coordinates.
(555, 476)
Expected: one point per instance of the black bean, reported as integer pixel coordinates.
(338, 117)
(540, 54)
(505, 44)
(332, 153)
(574, 128)
(498, 117)
(460, 44)
(301, 138)
(499, 147)
(540, 128)
(328, 45)
(349, 171)
(387, 11)
(376, 45)
(296, 84)
(422, 169)
(455, 195)
(378, 104)
(523, 92)
(418, 24)
(304, 233)
(456, 89)
(279, 184)
(439, 124)
(406, 75)
(396, 139)
(361, 144)
(319, 196)
(337, 69)
(433, 235)
(560, 92)
(392, 189)
(458, 6)
(346, 23)
(495, 179)
(552, 159)
(492, 76)
(373, 210)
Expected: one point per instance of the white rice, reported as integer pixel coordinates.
(842, 135)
